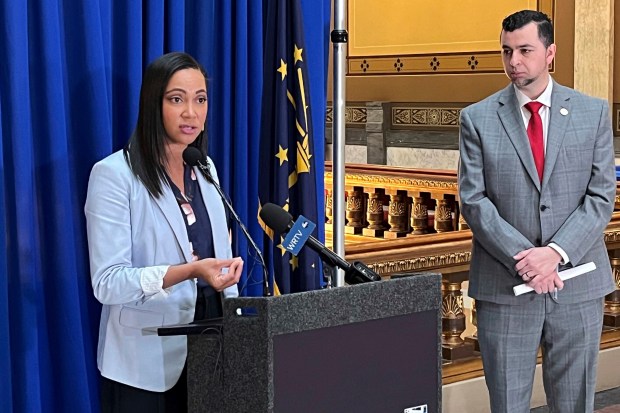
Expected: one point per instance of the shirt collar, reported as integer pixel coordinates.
(544, 98)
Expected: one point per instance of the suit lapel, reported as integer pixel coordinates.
(217, 215)
(170, 208)
(559, 117)
(510, 115)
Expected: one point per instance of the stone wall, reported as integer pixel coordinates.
(424, 136)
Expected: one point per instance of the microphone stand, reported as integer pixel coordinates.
(204, 169)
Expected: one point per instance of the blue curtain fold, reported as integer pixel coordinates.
(235, 90)
(69, 89)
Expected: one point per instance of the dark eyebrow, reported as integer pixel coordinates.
(175, 90)
(179, 90)
(521, 46)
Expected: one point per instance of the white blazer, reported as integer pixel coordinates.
(132, 240)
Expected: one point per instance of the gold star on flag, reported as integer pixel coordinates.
(282, 246)
(282, 155)
(297, 54)
(282, 69)
(294, 261)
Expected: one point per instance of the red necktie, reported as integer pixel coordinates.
(535, 134)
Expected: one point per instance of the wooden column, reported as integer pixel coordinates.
(462, 223)
(453, 318)
(611, 318)
(329, 209)
(473, 339)
(398, 214)
(356, 210)
(594, 47)
(376, 222)
(419, 215)
(443, 216)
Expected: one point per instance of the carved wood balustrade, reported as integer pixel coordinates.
(416, 201)
(402, 220)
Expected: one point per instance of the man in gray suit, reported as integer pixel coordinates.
(537, 188)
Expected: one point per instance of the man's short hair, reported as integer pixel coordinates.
(521, 18)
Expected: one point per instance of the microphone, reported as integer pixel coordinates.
(281, 221)
(193, 157)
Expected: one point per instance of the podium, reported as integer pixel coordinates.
(373, 347)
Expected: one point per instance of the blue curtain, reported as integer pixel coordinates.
(69, 85)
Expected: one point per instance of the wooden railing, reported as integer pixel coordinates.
(402, 220)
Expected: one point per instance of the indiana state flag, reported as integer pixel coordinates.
(287, 166)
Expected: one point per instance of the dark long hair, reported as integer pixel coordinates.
(145, 151)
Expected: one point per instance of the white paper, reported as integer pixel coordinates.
(564, 275)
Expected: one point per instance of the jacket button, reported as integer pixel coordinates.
(543, 207)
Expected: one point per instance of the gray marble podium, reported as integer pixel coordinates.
(373, 347)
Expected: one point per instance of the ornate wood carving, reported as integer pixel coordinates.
(421, 263)
(462, 223)
(395, 182)
(443, 216)
(356, 210)
(404, 117)
(419, 216)
(374, 215)
(612, 236)
(398, 215)
(453, 321)
(353, 115)
(329, 202)
(611, 318)
(448, 252)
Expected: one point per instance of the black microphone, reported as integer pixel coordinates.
(281, 221)
(193, 157)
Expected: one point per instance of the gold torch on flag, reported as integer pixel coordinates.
(287, 167)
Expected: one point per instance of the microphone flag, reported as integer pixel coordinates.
(287, 173)
(298, 235)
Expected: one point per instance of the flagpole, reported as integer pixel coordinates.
(339, 37)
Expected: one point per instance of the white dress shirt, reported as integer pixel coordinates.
(545, 99)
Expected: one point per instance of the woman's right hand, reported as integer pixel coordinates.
(219, 273)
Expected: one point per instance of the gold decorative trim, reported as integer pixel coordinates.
(443, 260)
(381, 181)
(449, 64)
(616, 273)
(421, 263)
(612, 236)
(451, 306)
(353, 115)
(481, 62)
(408, 117)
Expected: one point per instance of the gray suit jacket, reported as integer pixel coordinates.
(509, 210)
(132, 240)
